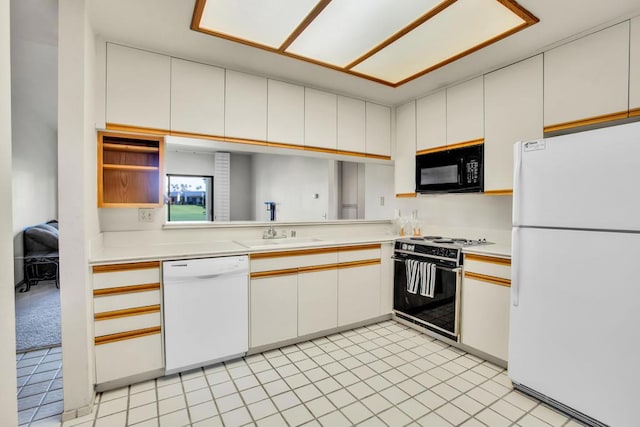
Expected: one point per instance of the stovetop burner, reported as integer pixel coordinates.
(443, 240)
(454, 241)
(432, 237)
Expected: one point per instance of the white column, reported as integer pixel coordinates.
(76, 142)
(8, 402)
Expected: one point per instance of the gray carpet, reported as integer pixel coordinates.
(38, 317)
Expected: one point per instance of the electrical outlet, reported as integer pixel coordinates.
(145, 215)
(381, 200)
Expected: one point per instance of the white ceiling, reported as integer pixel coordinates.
(164, 26)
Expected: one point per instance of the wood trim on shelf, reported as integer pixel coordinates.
(137, 311)
(634, 112)
(491, 259)
(316, 268)
(126, 289)
(136, 129)
(512, 5)
(108, 146)
(505, 192)
(138, 333)
(489, 279)
(145, 131)
(405, 195)
(132, 168)
(273, 273)
(587, 121)
(296, 252)
(359, 247)
(361, 263)
(109, 268)
(451, 146)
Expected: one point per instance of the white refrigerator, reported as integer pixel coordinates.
(575, 296)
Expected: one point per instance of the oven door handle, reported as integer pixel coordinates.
(451, 269)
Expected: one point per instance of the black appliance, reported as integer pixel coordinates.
(456, 170)
(440, 313)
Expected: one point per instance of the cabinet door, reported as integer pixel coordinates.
(431, 116)
(320, 117)
(128, 357)
(317, 301)
(351, 125)
(405, 152)
(485, 317)
(634, 68)
(587, 78)
(197, 98)
(378, 129)
(273, 309)
(465, 111)
(513, 112)
(285, 113)
(138, 85)
(358, 294)
(246, 106)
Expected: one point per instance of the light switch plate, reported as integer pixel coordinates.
(145, 215)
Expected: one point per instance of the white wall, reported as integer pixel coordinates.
(378, 182)
(77, 201)
(34, 77)
(472, 215)
(291, 182)
(242, 191)
(8, 402)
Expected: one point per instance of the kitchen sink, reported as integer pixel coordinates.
(280, 243)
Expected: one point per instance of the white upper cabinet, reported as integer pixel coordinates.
(378, 129)
(285, 113)
(320, 119)
(513, 112)
(405, 150)
(431, 116)
(465, 111)
(351, 131)
(634, 67)
(246, 106)
(587, 78)
(197, 98)
(138, 85)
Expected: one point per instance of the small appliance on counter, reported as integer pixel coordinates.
(427, 279)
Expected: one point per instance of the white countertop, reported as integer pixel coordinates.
(497, 249)
(185, 250)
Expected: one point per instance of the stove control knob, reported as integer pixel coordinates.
(404, 246)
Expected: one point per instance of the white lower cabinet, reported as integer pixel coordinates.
(485, 305)
(273, 309)
(358, 293)
(317, 301)
(127, 301)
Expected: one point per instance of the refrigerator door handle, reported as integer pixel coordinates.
(517, 169)
(515, 271)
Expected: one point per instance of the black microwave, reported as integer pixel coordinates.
(456, 170)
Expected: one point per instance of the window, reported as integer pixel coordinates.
(189, 198)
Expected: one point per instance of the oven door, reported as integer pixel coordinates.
(439, 314)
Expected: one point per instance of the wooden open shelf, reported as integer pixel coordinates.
(130, 170)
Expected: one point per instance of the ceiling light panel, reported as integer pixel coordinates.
(348, 29)
(462, 26)
(266, 23)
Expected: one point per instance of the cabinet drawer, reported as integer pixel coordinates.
(293, 259)
(358, 253)
(117, 275)
(127, 323)
(128, 357)
(488, 266)
(124, 301)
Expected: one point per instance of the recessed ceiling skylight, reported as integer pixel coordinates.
(387, 41)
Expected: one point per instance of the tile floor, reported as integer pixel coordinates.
(39, 385)
(383, 374)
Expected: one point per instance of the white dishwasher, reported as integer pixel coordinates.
(206, 311)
